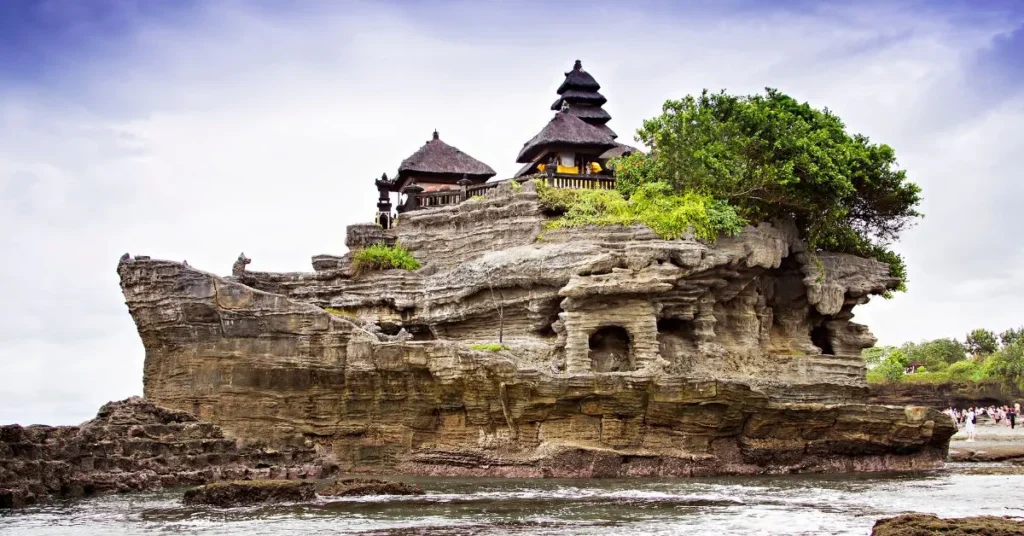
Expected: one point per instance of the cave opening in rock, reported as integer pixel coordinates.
(547, 332)
(821, 338)
(677, 343)
(610, 350)
(676, 326)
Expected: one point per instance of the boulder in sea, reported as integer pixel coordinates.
(356, 487)
(249, 492)
(927, 524)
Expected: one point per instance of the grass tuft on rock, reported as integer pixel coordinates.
(383, 257)
(490, 347)
(342, 312)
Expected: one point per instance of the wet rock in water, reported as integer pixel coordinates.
(249, 492)
(926, 525)
(135, 445)
(354, 487)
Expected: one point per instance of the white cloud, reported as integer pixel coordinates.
(260, 131)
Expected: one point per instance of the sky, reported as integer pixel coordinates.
(195, 130)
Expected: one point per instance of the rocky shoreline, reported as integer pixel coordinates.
(134, 445)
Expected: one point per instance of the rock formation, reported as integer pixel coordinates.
(626, 354)
(946, 395)
(134, 445)
(929, 525)
(359, 487)
(249, 492)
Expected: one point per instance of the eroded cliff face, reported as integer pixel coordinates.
(627, 354)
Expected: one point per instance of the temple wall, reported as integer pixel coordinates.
(443, 237)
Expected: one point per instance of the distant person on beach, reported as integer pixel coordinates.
(970, 419)
(1012, 416)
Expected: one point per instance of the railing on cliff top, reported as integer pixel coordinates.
(454, 197)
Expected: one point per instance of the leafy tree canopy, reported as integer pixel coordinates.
(945, 360)
(1011, 336)
(876, 354)
(981, 342)
(937, 354)
(772, 157)
(891, 368)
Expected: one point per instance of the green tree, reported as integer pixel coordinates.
(1011, 336)
(772, 157)
(891, 369)
(1007, 365)
(981, 342)
(876, 354)
(937, 354)
(963, 370)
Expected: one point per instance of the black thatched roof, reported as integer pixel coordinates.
(620, 149)
(591, 114)
(577, 97)
(437, 157)
(577, 78)
(579, 93)
(566, 129)
(525, 169)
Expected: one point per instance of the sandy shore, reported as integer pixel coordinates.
(993, 443)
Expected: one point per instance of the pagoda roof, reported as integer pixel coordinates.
(577, 78)
(437, 157)
(565, 129)
(574, 96)
(595, 114)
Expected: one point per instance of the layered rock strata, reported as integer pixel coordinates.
(626, 354)
(359, 487)
(134, 445)
(946, 395)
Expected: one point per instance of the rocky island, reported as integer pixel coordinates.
(609, 351)
(602, 313)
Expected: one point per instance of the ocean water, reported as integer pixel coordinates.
(820, 504)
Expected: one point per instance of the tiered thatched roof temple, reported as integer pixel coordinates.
(571, 151)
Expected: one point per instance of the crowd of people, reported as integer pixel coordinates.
(967, 419)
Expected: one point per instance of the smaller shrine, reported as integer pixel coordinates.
(436, 168)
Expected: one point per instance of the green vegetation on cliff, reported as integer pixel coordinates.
(983, 357)
(383, 257)
(771, 157)
(493, 347)
(669, 214)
